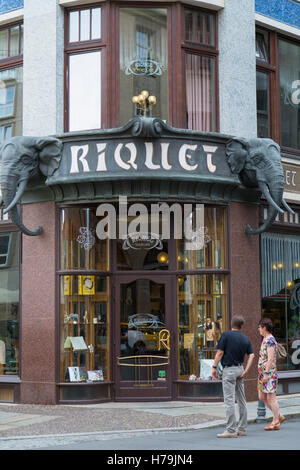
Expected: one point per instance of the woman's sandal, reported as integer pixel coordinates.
(281, 418)
(273, 427)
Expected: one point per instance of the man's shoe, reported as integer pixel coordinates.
(241, 433)
(227, 434)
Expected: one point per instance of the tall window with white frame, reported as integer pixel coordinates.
(84, 48)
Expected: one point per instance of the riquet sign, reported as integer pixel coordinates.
(179, 156)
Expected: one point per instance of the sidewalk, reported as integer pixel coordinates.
(24, 421)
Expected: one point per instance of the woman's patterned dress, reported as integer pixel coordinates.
(271, 385)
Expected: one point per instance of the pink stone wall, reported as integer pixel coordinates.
(245, 281)
(38, 306)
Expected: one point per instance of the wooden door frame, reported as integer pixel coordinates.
(166, 388)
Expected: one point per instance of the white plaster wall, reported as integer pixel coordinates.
(237, 69)
(43, 68)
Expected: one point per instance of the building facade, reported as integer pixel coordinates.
(139, 232)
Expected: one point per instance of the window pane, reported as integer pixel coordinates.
(199, 28)
(84, 326)
(74, 26)
(80, 247)
(289, 64)
(84, 25)
(262, 46)
(200, 93)
(202, 318)
(14, 41)
(8, 132)
(22, 38)
(143, 62)
(9, 304)
(85, 91)
(281, 292)
(262, 102)
(96, 23)
(206, 227)
(3, 43)
(142, 312)
(11, 98)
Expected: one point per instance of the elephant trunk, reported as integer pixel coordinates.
(273, 195)
(11, 195)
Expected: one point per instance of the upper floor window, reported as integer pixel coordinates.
(200, 70)
(124, 61)
(278, 89)
(11, 41)
(11, 81)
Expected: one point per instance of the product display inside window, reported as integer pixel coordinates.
(202, 318)
(9, 303)
(84, 328)
(281, 293)
(80, 246)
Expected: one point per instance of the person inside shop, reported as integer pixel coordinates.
(210, 333)
(232, 349)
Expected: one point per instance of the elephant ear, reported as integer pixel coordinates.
(50, 153)
(237, 152)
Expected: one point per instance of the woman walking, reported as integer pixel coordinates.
(267, 373)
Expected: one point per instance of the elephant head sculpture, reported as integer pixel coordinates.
(258, 164)
(21, 159)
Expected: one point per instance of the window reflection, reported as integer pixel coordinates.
(143, 58)
(209, 235)
(11, 98)
(263, 106)
(202, 318)
(9, 303)
(281, 293)
(80, 247)
(84, 328)
(289, 65)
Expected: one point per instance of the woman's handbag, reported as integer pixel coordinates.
(280, 351)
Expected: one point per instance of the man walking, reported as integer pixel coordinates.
(232, 348)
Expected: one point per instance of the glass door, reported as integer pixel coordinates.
(142, 335)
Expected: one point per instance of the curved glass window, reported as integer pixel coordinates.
(84, 318)
(202, 318)
(203, 245)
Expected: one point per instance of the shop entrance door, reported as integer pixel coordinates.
(143, 344)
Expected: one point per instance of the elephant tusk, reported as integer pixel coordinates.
(288, 208)
(19, 193)
(264, 188)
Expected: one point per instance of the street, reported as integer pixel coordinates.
(204, 439)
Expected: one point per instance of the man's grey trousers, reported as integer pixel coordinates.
(233, 389)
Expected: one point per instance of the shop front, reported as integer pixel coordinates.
(147, 309)
(140, 237)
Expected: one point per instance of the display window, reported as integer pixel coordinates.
(131, 284)
(281, 293)
(81, 248)
(202, 318)
(9, 303)
(84, 328)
